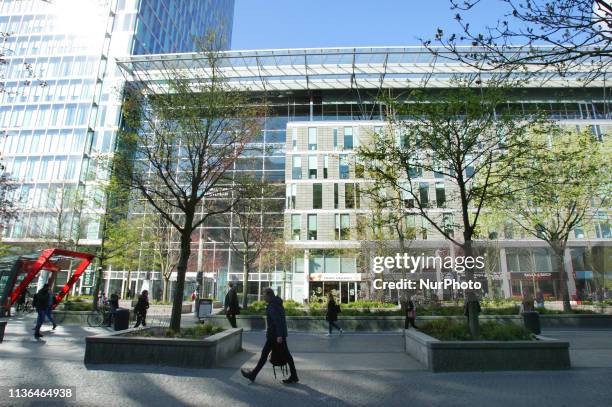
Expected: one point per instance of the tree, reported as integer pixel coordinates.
(534, 36)
(163, 235)
(557, 189)
(255, 234)
(462, 136)
(185, 135)
(7, 205)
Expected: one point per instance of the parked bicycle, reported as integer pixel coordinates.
(99, 317)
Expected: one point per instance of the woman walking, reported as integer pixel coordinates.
(333, 310)
(141, 309)
(410, 314)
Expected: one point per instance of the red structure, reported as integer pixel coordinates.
(45, 262)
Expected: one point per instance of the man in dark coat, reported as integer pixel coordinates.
(41, 302)
(332, 314)
(276, 334)
(231, 306)
(141, 309)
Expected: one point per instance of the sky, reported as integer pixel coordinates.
(268, 24)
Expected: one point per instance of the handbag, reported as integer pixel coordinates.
(279, 357)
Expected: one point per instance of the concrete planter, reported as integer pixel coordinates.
(2, 328)
(453, 356)
(192, 353)
(396, 323)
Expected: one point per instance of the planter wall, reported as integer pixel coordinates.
(453, 356)
(396, 323)
(192, 353)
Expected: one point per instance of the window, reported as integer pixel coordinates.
(344, 167)
(579, 232)
(440, 195)
(294, 139)
(424, 194)
(335, 136)
(317, 196)
(447, 221)
(312, 166)
(469, 168)
(343, 224)
(312, 138)
(297, 167)
(335, 196)
(312, 227)
(325, 166)
(348, 138)
(291, 192)
(296, 229)
(349, 196)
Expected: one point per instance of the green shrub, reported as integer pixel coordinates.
(452, 330)
(78, 306)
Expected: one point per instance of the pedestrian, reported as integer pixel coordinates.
(21, 301)
(276, 336)
(113, 304)
(410, 313)
(49, 310)
(141, 309)
(540, 299)
(331, 316)
(528, 302)
(41, 301)
(230, 305)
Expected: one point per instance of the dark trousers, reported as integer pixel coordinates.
(266, 351)
(333, 324)
(141, 318)
(40, 318)
(49, 315)
(232, 320)
(409, 321)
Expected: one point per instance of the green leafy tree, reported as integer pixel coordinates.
(461, 135)
(557, 188)
(184, 132)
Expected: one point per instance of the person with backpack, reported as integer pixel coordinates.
(231, 307)
(410, 314)
(276, 339)
(141, 309)
(331, 316)
(41, 302)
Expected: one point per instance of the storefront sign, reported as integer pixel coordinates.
(335, 277)
(534, 276)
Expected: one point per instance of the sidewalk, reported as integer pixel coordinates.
(351, 370)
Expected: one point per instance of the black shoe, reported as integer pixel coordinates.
(248, 374)
(37, 336)
(291, 379)
(54, 326)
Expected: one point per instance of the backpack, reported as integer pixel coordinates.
(279, 358)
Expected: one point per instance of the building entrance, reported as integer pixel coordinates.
(346, 291)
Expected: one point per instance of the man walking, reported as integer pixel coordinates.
(41, 301)
(113, 303)
(49, 310)
(276, 334)
(141, 309)
(231, 306)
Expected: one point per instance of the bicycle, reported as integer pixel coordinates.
(98, 317)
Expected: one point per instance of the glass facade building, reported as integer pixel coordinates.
(322, 104)
(60, 100)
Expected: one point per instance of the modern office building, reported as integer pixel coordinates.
(323, 104)
(61, 97)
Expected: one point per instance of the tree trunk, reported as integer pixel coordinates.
(165, 289)
(559, 254)
(472, 304)
(181, 270)
(96, 290)
(245, 280)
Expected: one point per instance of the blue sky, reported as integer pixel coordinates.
(261, 24)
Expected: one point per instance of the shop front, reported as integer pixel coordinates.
(532, 282)
(344, 286)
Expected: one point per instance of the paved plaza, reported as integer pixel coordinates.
(359, 369)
